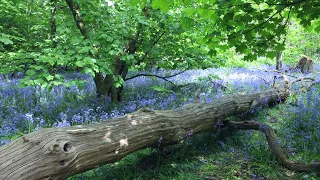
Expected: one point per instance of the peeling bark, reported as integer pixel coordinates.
(57, 153)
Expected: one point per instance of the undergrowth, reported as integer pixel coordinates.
(239, 155)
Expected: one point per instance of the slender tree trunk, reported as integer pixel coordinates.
(53, 31)
(279, 61)
(278, 66)
(53, 26)
(5, 77)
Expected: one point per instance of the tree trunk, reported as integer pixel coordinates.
(5, 77)
(278, 66)
(57, 153)
(305, 64)
(53, 26)
(279, 61)
(105, 85)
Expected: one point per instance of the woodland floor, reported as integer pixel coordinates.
(242, 155)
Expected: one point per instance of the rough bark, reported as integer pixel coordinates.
(57, 153)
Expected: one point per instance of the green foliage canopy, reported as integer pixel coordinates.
(254, 27)
(169, 34)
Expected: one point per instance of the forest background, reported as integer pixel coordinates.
(73, 62)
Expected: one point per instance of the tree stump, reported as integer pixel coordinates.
(305, 64)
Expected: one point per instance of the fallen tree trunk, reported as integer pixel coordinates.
(57, 153)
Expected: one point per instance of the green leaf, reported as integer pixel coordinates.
(317, 29)
(49, 88)
(118, 81)
(56, 83)
(80, 63)
(88, 71)
(37, 67)
(113, 52)
(30, 72)
(58, 76)
(280, 47)
(207, 13)
(186, 23)
(213, 76)
(117, 84)
(271, 54)
(134, 2)
(161, 89)
(5, 40)
(164, 5)
(38, 81)
(89, 61)
(189, 11)
(187, 2)
(49, 77)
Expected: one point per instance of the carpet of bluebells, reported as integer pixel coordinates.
(24, 110)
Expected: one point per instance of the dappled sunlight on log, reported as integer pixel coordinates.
(106, 137)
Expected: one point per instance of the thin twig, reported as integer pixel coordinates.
(286, 4)
(289, 84)
(302, 79)
(257, 26)
(149, 75)
(157, 76)
(264, 80)
(153, 44)
(277, 33)
(280, 72)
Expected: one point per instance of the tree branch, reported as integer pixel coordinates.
(153, 44)
(274, 145)
(157, 76)
(285, 4)
(277, 33)
(261, 24)
(257, 26)
(77, 17)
